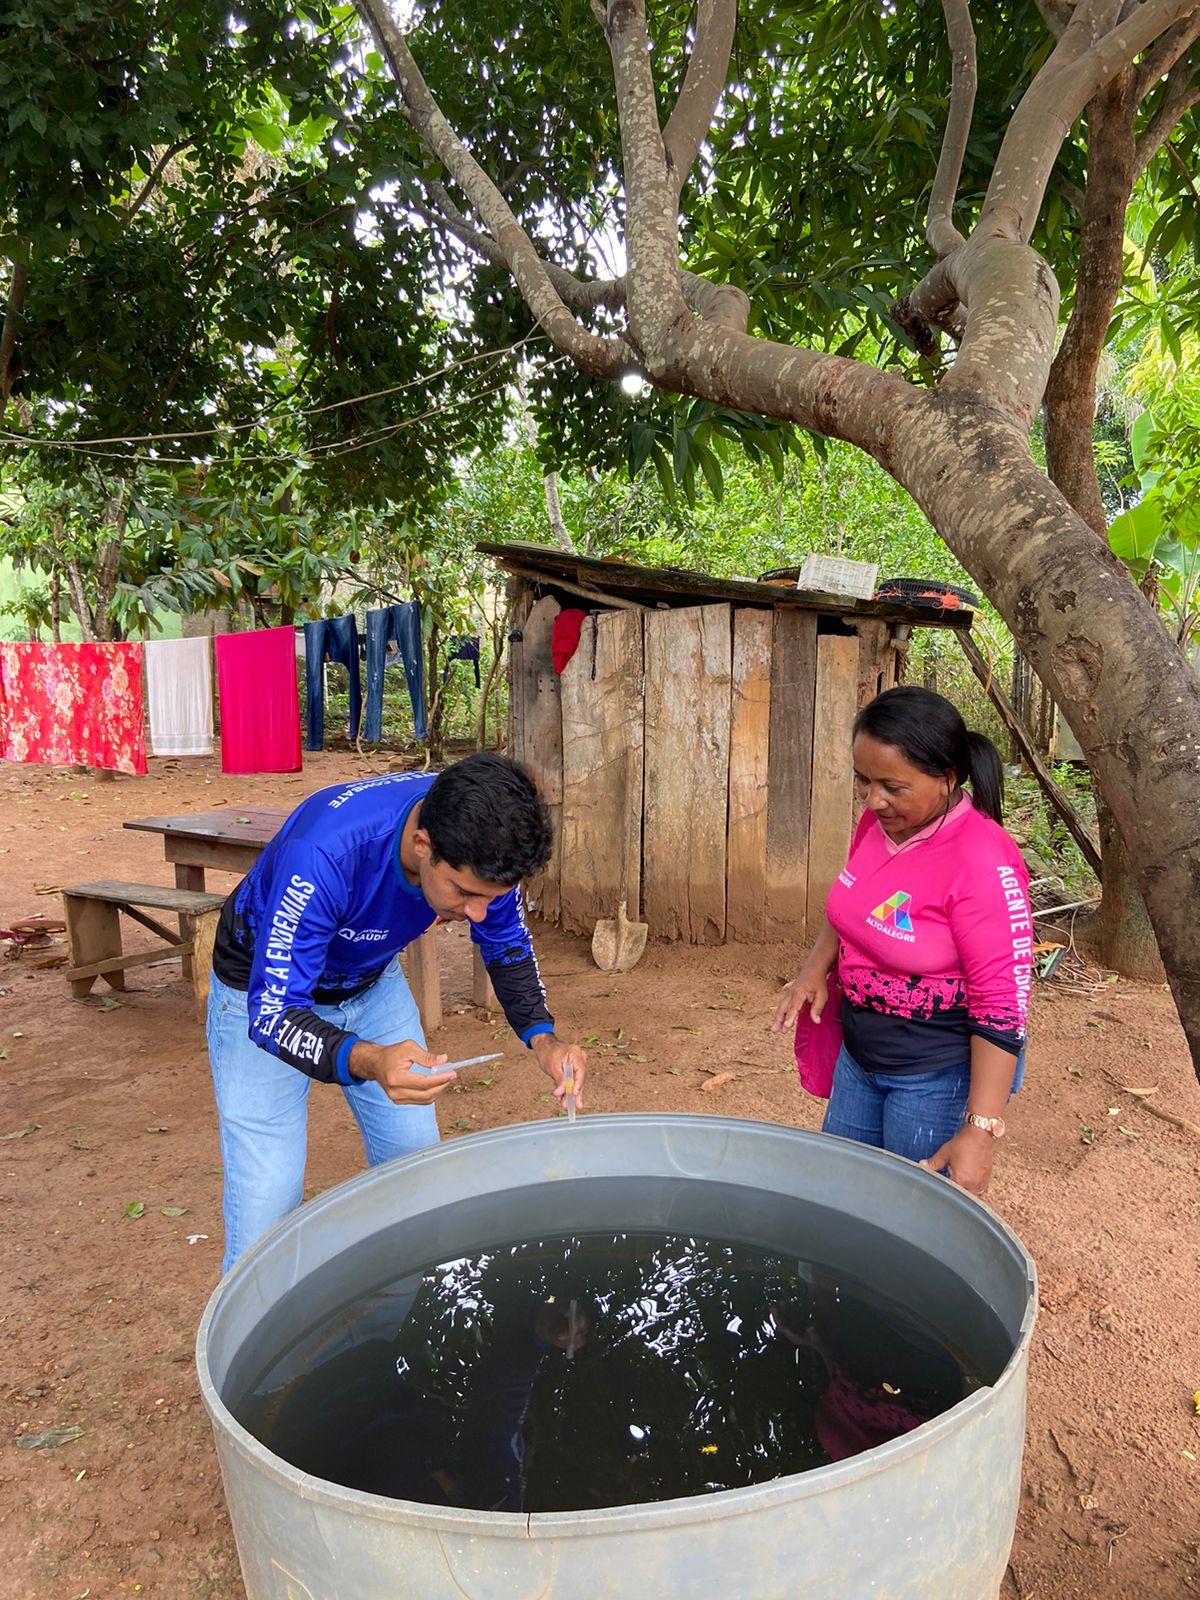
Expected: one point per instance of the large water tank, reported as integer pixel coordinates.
(929, 1513)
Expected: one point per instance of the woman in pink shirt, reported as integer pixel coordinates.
(929, 928)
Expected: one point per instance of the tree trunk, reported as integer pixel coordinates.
(499, 632)
(554, 514)
(18, 283)
(56, 608)
(79, 601)
(1119, 935)
(434, 706)
(1092, 638)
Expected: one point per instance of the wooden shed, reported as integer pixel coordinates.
(695, 751)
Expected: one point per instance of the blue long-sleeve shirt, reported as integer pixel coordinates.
(326, 907)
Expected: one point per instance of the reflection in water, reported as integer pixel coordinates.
(595, 1370)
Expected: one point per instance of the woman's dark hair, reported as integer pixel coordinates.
(930, 733)
(484, 813)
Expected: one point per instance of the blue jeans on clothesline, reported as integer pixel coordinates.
(337, 638)
(401, 624)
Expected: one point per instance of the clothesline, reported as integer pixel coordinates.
(69, 704)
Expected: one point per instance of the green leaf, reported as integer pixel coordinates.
(135, 1209)
(50, 1439)
(1133, 535)
(173, 1211)
(1139, 437)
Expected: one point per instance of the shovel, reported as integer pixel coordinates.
(617, 943)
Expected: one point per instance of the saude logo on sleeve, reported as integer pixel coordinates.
(363, 935)
(892, 917)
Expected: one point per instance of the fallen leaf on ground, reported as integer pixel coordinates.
(135, 1209)
(158, 1127)
(173, 1211)
(1140, 1093)
(716, 1081)
(108, 1003)
(50, 1439)
(21, 1133)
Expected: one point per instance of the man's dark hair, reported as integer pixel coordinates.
(484, 813)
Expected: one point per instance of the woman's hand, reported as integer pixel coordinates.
(967, 1157)
(810, 989)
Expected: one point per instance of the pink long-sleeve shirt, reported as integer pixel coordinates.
(935, 942)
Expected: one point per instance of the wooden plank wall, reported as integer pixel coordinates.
(749, 754)
(688, 672)
(789, 772)
(707, 761)
(833, 769)
(603, 745)
(541, 740)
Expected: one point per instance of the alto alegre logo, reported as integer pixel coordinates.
(892, 917)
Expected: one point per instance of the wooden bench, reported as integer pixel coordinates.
(93, 918)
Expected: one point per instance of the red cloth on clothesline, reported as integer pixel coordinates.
(260, 707)
(73, 705)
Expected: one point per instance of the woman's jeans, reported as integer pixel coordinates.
(909, 1113)
(262, 1104)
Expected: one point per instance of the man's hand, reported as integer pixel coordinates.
(391, 1067)
(561, 1063)
(967, 1157)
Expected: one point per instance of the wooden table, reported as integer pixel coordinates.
(232, 838)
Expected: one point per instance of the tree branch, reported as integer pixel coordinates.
(1181, 93)
(600, 356)
(1171, 48)
(18, 284)
(1057, 96)
(940, 231)
(1056, 14)
(152, 181)
(655, 294)
(703, 84)
(722, 303)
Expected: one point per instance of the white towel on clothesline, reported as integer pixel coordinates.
(179, 687)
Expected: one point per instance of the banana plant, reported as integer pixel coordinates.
(1158, 537)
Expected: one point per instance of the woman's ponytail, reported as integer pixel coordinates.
(987, 776)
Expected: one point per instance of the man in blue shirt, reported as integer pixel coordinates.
(307, 984)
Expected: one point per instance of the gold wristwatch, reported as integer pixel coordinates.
(992, 1125)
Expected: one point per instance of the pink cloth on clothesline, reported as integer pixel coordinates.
(260, 707)
(73, 705)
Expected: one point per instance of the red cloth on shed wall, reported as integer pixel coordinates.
(564, 636)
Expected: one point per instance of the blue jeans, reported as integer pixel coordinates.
(909, 1113)
(337, 638)
(401, 625)
(262, 1105)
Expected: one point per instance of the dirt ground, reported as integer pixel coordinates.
(98, 1309)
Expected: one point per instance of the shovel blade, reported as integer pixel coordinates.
(617, 943)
